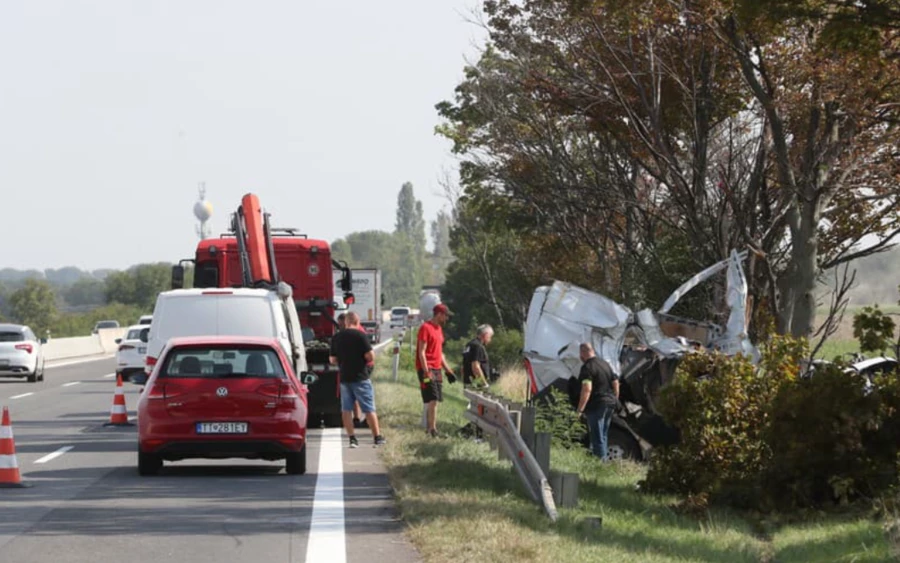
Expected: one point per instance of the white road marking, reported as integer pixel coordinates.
(52, 365)
(109, 375)
(21, 396)
(326, 531)
(71, 383)
(54, 455)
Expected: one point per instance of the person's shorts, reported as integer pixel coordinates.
(361, 391)
(431, 384)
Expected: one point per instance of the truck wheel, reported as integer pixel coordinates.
(149, 464)
(295, 463)
(622, 445)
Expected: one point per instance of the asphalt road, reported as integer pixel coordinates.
(87, 502)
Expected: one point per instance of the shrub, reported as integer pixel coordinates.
(555, 415)
(719, 405)
(764, 438)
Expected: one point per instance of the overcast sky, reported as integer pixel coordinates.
(119, 108)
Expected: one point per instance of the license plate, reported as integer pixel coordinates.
(222, 427)
(142, 350)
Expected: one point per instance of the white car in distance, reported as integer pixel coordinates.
(21, 353)
(131, 354)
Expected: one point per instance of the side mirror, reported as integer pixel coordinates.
(43, 340)
(118, 340)
(349, 299)
(177, 276)
(308, 378)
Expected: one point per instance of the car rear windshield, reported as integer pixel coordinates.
(135, 333)
(12, 337)
(108, 324)
(223, 361)
(398, 312)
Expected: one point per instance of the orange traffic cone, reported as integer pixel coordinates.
(118, 415)
(9, 466)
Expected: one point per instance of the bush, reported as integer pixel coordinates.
(761, 437)
(555, 415)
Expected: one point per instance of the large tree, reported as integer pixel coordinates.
(34, 304)
(627, 127)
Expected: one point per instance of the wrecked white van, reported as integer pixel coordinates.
(562, 316)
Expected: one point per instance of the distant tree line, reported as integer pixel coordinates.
(405, 262)
(72, 305)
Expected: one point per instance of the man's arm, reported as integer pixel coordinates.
(586, 386)
(370, 357)
(615, 386)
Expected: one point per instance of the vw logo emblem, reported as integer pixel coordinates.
(222, 391)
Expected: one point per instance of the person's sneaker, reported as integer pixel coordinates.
(379, 440)
(354, 443)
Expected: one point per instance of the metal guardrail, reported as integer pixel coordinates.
(495, 419)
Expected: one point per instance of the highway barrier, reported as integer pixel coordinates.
(495, 418)
(101, 344)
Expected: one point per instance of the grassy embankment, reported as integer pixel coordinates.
(462, 504)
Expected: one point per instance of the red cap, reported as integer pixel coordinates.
(441, 308)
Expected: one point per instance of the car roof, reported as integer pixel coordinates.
(137, 327)
(147, 316)
(249, 291)
(9, 327)
(865, 364)
(200, 340)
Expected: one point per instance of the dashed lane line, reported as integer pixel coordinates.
(54, 455)
(22, 396)
(71, 383)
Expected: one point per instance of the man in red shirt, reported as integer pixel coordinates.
(430, 362)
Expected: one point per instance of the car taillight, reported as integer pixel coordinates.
(27, 347)
(164, 391)
(149, 362)
(281, 390)
(124, 347)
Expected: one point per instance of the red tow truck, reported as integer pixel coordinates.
(251, 252)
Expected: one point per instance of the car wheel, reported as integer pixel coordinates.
(43, 370)
(295, 463)
(33, 377)
(149, 464)
(622, 445)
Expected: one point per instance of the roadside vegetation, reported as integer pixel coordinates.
(463, 504)
(71, 305)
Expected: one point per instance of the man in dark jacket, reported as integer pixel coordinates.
(599, 397)
(476, 363)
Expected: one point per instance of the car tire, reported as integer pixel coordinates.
(33, 377)
(295, 462)
(43, 370)
(621, 445)
(149, 464)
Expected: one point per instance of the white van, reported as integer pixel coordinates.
(227, 312)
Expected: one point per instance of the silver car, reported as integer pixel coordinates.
(21, 353)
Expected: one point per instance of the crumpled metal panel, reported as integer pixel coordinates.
(563, 316)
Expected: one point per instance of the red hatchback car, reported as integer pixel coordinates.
(220, 397)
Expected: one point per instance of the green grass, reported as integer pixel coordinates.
(463, 504)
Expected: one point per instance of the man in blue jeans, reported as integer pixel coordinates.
(352, 352)
(599, 396)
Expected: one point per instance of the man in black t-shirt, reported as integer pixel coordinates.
(353, 354)
(476, 364)
(599, 397)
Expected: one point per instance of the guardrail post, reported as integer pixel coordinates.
(542, 451)
(526, 427)
(396, 359)
(565, 489)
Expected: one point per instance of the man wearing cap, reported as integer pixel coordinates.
(431, 363)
